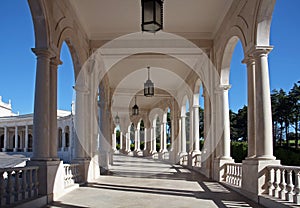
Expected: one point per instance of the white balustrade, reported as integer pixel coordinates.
(284, 183)
(71, 175)
(197, 160)
(233, 174)
(18, 184)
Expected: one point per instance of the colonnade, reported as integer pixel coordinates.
(178, 128)
(16, 138)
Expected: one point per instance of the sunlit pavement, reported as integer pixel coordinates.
(140, 182)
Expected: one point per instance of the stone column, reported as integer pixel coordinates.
(224, 145)
(154, 140)
(263, 150)
(121, 140)
(135, 139)
(26, 139)
(114, 141)
(145, 139)
(172, 134)
(251, 106)
(226, 124)
(127, 142)
(263, 113)
(183, 135)
(164, 137)
(191, 134)
(161, 137)
(16, 139)
(54, 62)
(196, 129)
(151, 139)
(139, 139)
(5, 139)
(41, 119)
(179, 136)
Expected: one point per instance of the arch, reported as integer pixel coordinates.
(67, 136)
(184, 102)
(67, 38)
(263, 21)
(59, 137)
(226, 60)
(40, 23)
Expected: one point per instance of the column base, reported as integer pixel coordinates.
(219, 168)
(163, 151)
(47, 174)
(83, 168)
(15, 149)
(254, 168)
(196, 152)
(3, 149)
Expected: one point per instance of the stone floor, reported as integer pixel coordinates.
(140, 182)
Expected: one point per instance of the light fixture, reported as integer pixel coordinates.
(148, 86)
(135, 108)
(152, 15)
(117, 119)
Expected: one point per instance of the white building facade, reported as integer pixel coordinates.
(16, 132)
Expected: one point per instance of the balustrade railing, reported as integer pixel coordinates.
(197, 160)
(233, 174)
(284, 183)
(71, 175)
(18, 184)
(184, 159)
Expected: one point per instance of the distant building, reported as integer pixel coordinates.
(5, 108)
(16, 132)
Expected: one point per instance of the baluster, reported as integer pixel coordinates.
(230, 173)
(283, 190)
(17, 185)
(297, 187)
(24, 184)
(234, 174)
(290, 186)
(2, 189)
(30, 183)
(227, 173)
(277, 182)
(239, 175)
(271, 181)
(10, 187)
(36, 182)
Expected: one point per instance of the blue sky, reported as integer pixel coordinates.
(18, 63)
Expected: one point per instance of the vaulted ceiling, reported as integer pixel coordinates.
(192, 19)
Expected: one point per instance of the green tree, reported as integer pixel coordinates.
(294, 96)
(241, 123)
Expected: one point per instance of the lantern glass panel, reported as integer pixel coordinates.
(148, 11)
(158, 13)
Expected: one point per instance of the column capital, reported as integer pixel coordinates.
(224, 87)
(256, 51)
(248, 59)
(55, 61)
(43, 52)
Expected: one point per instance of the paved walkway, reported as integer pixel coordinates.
(139, 182)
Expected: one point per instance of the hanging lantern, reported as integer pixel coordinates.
(152, 15)
(135, 108)
(148, 86)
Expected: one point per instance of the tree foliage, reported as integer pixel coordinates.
(285, 112)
